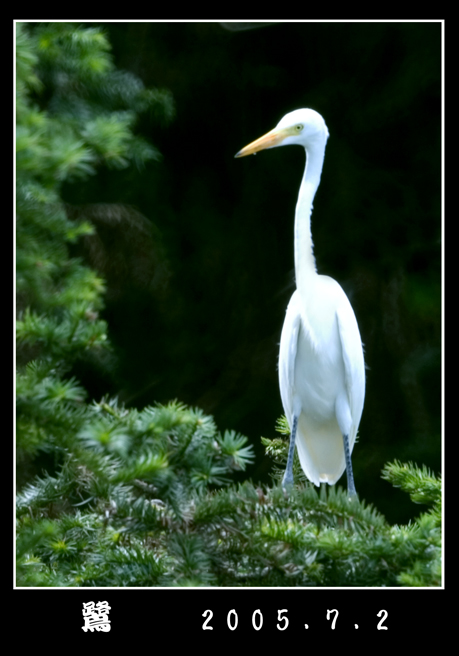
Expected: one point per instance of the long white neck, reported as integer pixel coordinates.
(305, 263)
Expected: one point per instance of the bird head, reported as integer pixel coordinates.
(303, 127)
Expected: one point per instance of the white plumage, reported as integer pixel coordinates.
(321, 366)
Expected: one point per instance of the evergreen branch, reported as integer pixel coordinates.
(420, 483)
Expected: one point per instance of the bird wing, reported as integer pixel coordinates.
(287, 354)
(354, 367)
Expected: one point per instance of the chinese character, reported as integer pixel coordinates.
(96, 618)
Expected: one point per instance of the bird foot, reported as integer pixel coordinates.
(287, 484)
(352, 494)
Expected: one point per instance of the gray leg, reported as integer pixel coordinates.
(287, 481)
(350, 476)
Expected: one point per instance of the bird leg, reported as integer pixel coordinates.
(287, 481)
(350, 476)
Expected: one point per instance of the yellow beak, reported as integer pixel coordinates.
(269, 140)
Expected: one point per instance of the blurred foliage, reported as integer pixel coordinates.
(71, 119)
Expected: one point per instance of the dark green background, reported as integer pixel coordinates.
(196, 312)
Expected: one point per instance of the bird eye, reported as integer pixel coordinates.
(298, 127)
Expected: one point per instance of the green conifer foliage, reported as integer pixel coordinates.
(144, 497)
(75, 111)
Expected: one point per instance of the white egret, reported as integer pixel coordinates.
(321, 366)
